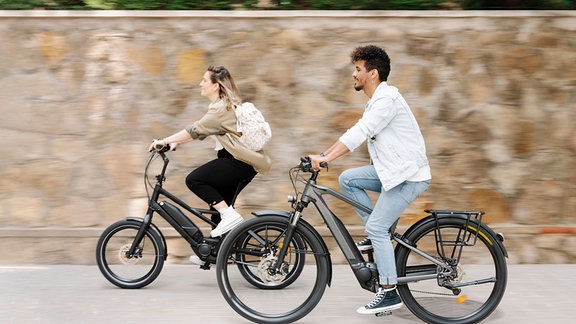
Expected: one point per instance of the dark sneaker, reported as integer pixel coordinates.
(384, 301)
(364, 245)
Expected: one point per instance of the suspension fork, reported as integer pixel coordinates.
(293, 221)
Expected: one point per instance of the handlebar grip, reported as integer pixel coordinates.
(160, 148)
(324, 164)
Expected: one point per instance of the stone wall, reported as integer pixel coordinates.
(83, 93)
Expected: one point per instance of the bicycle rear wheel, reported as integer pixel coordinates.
(124, 271)
(475, 289)
(264, 236)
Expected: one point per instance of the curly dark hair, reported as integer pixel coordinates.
(374, 58)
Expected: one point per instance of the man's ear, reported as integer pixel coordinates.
(374, 74)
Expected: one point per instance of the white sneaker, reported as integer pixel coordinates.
(196, 260)
(230, 219)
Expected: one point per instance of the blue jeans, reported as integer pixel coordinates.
(389, 206)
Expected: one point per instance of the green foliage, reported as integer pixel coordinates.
(283, 4)
(119, 4)
(198, 5)
(139, 4)
(412, 4)
(375, 4)
(249, 4)
(66, 4)
(42, 4)
(519, 4)
(20, 4)
(161, 4)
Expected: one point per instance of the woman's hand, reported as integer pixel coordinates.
(173, 146)
(157, 145)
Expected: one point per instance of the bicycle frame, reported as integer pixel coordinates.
(364, 270)
(177, 219)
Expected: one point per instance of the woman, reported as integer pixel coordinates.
(218, 181)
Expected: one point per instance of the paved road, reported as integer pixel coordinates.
(182, 293)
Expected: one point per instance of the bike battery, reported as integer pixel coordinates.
(182, 220)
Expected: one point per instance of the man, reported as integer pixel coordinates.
(399, 168)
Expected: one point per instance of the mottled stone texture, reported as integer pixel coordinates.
(82, 95)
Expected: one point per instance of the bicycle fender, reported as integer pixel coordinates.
(483, 228)
(305, 224)
(141, 220)
(275, 212)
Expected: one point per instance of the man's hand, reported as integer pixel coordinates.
(316, 160)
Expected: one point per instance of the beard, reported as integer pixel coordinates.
(358, 86)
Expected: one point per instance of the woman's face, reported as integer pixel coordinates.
(207, 88)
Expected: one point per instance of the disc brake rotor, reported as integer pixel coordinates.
(268, 277)
(123, 257)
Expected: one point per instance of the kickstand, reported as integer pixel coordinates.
(205, 266)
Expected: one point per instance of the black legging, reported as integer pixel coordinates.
(220, 179)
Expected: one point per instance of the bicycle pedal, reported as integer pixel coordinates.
(382, 314)
(370, 250)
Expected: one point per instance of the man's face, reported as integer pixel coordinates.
(360, 75)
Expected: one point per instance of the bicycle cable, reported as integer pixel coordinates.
(295, 176)
(147, 183)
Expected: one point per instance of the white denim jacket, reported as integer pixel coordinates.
(395, 143)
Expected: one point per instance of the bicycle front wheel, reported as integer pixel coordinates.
(284, 295)
(476, 286)
(126, 271)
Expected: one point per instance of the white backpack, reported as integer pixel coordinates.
(255, 130)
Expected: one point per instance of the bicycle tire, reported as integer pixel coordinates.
(481, 265)
(272, 305)
(246, 265)
(135, 272)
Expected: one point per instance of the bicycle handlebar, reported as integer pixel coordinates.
(161, 148)
(306, 165)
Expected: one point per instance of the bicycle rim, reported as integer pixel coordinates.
(482, 268)
(129, 272)
(270, 305)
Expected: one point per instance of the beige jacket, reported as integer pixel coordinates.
(221, 122)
